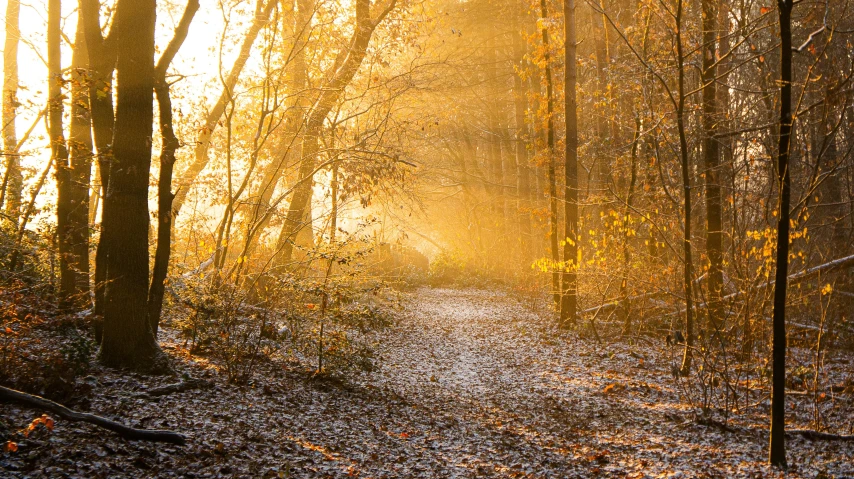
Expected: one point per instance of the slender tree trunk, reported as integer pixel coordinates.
(80, 147)
(493, 133)
(128, 340)
(686, 189)
(603, 150)
(711, 160)
(200, 161)
(346, 65)
(550, 134)
(167, 166)
(569, 301)
(523, 186)
(777, 446)
(627, 252)
(297, 79)
(59, 152)
(13, 180)
(295, 220)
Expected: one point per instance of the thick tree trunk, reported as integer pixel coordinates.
(128, 340)
(569, 301)
(777, 446)
(102, 62)
(13, 180)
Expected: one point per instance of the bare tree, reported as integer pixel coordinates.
(777, 446)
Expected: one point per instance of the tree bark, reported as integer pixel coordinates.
(711, 163)
(550, 135)
(80, 175)
(128, 340)
(59, 151)
(13, 180)
(777, 445)
(102, 63)
(686, 189)
(569, 300)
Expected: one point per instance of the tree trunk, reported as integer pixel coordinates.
(523, 186)
(59, 151)
(627, 252)
(128, 340)
(80, 172)
(290, 153)
(550, 134)
(13, 180)
(188, 177)
(601, 172)
(346, 65)
(777, 446)
(686, 189)
(569, 301)
(167, 166)
(711, 163)
(102, 62)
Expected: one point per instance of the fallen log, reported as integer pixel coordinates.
(38, 402)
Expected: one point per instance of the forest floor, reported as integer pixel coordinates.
(472, 383)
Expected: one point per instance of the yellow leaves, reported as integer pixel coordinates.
(754, 235)
(827, 289)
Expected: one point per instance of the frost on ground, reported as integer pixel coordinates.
(471, 384)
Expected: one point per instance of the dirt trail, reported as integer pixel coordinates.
(520, 398)
(471, 384)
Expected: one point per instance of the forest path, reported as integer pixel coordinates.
(508, 398)
(500, 392)
(471, 384)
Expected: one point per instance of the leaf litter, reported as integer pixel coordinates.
(471, 384)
